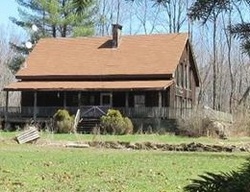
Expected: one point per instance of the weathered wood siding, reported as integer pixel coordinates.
(184, 89)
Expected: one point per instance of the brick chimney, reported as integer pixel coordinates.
(116, 35)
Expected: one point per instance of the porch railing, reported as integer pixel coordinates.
(94, 111)
(98, 111)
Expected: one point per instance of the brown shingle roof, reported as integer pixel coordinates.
(87, 85)
(141, 54)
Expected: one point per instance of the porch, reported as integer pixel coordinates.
(143, 118)
(91, 112)
(143, 100)
(93, 104)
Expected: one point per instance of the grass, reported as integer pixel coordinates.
(36, 168)
(46, 168)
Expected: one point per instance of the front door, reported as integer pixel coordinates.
(106, 99)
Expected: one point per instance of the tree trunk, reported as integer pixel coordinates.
(229, 43)
(214, 65)
(54, 31)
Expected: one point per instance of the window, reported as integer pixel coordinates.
(178, 105)
(92, 99)
(180, 74)
(139, 100)
(189, 103)
(106, 99)
(190, 78)
(177, 76)
(186, 76)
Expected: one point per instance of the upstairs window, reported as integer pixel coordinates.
(190, 78)
(186, 77)
(182, 75)
(179, 75)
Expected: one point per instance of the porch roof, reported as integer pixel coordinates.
(87, 85)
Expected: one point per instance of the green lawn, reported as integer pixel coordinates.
(49, 168)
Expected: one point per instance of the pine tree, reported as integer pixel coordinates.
(53, 18)
(202, 10)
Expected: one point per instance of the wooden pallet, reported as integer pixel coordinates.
(29, 135)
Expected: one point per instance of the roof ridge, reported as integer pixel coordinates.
(109, 36)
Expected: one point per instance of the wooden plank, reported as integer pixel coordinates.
(78, 145)
(76, 120)
(29, 135)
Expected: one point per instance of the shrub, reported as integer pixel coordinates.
(63, 122)
(193, 125)
(234, 181)
(129, 126)
(114, 123)
(241, 124)
(197, 124)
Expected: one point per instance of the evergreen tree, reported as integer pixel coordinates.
(53, 18)
(202, 10)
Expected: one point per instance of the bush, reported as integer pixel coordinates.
(197, 124)
(114, 123)
(194, 125)
(224, 182)
(63, 121)
(129, 126)
(241, 124)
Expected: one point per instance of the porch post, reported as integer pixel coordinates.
(64, 100)
(164, 104)
(160, 104)
(126, 100)
(35, 106)
(160, 108)
(79, 99)
(172, 102)
(6, 109)
(111, 99)
(160, 99)
(126, 103)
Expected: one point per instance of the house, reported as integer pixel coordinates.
(144, 76)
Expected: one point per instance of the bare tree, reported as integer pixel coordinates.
(104, 17)
(174, 14)
(199, 11)
(146, 17)
(6, 54)
(110, 12)
(228, 37)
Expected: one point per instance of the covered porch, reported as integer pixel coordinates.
(134, 99)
